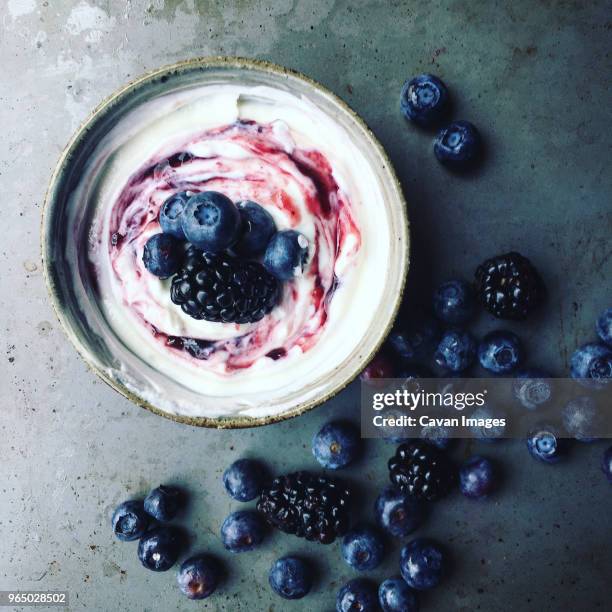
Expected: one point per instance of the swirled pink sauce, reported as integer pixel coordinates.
(245, 161)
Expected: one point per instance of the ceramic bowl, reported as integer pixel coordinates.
(73, 292)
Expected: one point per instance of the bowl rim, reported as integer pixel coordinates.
(217, 61)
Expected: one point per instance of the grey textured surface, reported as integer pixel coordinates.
(531, 74)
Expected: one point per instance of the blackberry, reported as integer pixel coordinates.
(307, 505)
(217, 287)
(508, 286)
(421, 470)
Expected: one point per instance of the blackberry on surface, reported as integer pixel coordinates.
(508, 286)
(307, 505)
(421, 470)
(217, 287)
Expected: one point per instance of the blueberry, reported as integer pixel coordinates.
(394, 595)
(211, 221)
(458, 145)
(532, 388)
(199, 576)
(170, 214)
(477, 477)
(397, 513)
(500, 352)
(243, 480)
(592, 365)
(424, 100)
(422, 563)
(162, 255)
(257, 227)
(489, 425)
(454, 302)
(545, 444)
(606, 463)
(159, 549)
(336, 445)
(286, 254)
(604, 326)
(363, 548)
(415, 340)
(456, 351)
(242, 531)
(438, 435)
(129, 520)
(581, 418)
(357, 594)
(164, 502)
(290, 577)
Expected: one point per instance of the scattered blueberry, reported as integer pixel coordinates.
(581, 418)
(170, 214)
(422, 564)
(606, 463)
(381, 366)
(164, 502)
(454, 302)
(545, 444)
(604, 326)
(592, 365)
(363, 548)
(416, 340)
(286, 254)
(491, 416)
(397, 513)
(438, 435)
(424, 100)
(477, 477)
(456, 351)
(211, 221)
(290, 577)
(129, 520)
(243, 480)
(198, 576)
(242, 531)
(162, 255)
(159, 549)
(532, 388)
(357, 595)
(458, 145)
(394, 595)
(336, 445)
(500, 352)
(257, 227)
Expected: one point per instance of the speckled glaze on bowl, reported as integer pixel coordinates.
(89, 331)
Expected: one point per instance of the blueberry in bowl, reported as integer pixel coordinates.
(336, 445)
(211, 221)
(424, 100)
(456, 350)
(170, 214)
(199, 576)
(398, 513)
(394, 595)
(164, 502)
(604, 326)
(286, 255)
(477, 477)
(545, 443)
(162, 255)
(458, 145)
(290, 577)
(242, 531)
(422, 563)
(591, 364)
(158, 549)
(357, 594)
(363, 548)
(243, 480)
(130, 521)
(256, 229)
(500, 352)
(454, 302)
